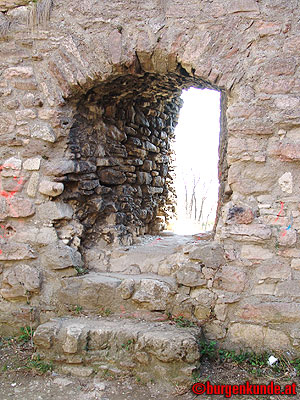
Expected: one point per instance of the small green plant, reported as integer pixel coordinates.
(296, 365)
(226, 355)
(182, 322)
(105, 312)
(26, 334)
(208, 350)
(128, 345)
(78, 309)
(38, 365)
(81, 270)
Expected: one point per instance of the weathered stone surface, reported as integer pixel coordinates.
(272, 312)
(43, 132)
(246, 335)
(240, 215)
(20, 281)
(51, 188)
(287, 238)
(230, 278)
(59, 167)
(286, 182)
(60, 256)
(32, 164)
(153, 294)
(190, 275)
(16, 251)
(112, 176)
(253, 252)
(273, 269)
(296, 264)
(209, 254)
(131, 342)
(19, 207)
(33, 184)
(126, 288)
(52, 211)
(251, 233)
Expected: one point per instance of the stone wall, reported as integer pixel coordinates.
(88, 105)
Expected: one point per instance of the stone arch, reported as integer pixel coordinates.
(120, 185)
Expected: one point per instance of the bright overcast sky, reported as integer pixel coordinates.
(197, 141)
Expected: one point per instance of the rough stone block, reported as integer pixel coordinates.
(59, 167)
(288, 289)
(296, 264)
(60, 256)
(240, 215)
(203, 296)
(273, 269)
(252, 252)
(153, 294)
(246, 335)
(287, 238)
(16, 251)
(201, 312)
(230, 278)
(209, 254)
(253, 232)
(71, 339)
(52, 189)
(53, 211)
(276, 340)
(32, 164)
(18, 72)
(19, 207)
(271, 312)
(20, 281)
(110, 176)
(190, 275)
(33, 184)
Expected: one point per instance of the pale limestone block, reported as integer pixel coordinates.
(265, 288)
(276, 340)
(220, 311)
(286, 182)
(152, 294)
(32, 164)
(246, 335)
(33, 184)
(18, 72)
(43, 132)
(51, 211)
(72, 338)
(49, 188)
(296, 264)
(252, 252)
(201, 312)
(20, 280)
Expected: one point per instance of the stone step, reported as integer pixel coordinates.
(116, 293)
(157, 351)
